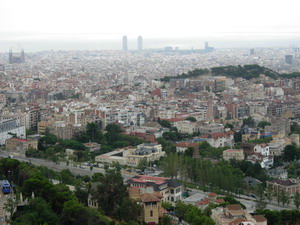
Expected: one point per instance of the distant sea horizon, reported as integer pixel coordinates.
(56, 44)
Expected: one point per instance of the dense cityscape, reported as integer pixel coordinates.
(150, 136)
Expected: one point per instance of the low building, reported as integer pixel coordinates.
(235, 215)
(182, 146)
(237, 154)
(262, 149)
(248, 148)
(220, 139)
(289, 186)
(92, 146)
(117, 156)
(20, 144)
(210, 128)
(264, 161)
(276, 148)
(210, 199)
(279, 173)
(146, 151)
(186, 127)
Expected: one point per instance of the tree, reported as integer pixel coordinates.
(283, 197)
(237, 137)
(113, 133)
(171, 165)
(143, 164)
(110, 192)
(94, 133)
(129, 210)
(67, 177)
(166, 220)
(262, 124)
(290, 153)
(164, 123)
(269, 193)
(74, 213)
(97, 177)
(191, 118)
(37, 212)
(248, 122)
(30, 132)
(297, 200)
(229, 125)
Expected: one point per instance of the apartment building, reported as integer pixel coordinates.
(10, 128)
(146, 151)
(289, 186)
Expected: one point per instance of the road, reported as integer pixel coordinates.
(75, 169)
(249, 202)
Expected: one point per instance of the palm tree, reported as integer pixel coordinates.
(297, 200)
(269, 193)
(166, 220)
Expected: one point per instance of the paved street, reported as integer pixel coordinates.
(76, 170)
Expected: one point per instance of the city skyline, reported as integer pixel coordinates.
(89, 21)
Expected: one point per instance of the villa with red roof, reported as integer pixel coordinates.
(169, 189)
(151, 192)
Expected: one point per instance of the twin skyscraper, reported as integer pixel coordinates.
(140, 43)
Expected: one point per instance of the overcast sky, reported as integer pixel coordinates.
(94, 19)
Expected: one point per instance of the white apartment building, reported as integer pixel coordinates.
(10, 127)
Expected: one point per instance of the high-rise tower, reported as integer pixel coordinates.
(16, 57)
(289, 59)
(140, 43)
(125, 48)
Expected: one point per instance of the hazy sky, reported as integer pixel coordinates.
(22, 20)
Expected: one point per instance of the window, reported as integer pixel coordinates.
(151, 213)
(172, 191)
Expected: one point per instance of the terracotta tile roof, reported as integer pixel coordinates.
(234, 207)
(220, 201)
(237, 221)
(186, 144)
(229, 132)
(212, 194)
(162, 210)
(203, 202)
(259, 218)
(19, 139)
(214, 135)
(172, 120)
(150, 198)
(288, 182)
(134, 190)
